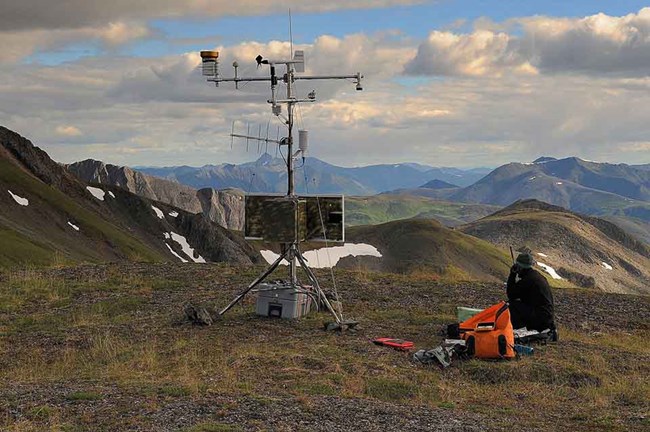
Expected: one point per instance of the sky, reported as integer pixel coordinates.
(463, 83)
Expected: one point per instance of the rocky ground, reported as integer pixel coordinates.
(105, 347)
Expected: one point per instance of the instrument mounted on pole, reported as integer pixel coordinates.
(289, 219)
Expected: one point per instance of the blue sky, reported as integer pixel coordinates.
(455, 83)
(177, 35)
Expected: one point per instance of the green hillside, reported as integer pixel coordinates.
(34, 232)
(18, 250)
(379, 209)
(426, 246)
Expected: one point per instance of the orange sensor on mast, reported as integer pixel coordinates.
(210, 64)
(209, 55)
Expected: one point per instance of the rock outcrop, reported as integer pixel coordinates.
(178, 195)
(225, 207)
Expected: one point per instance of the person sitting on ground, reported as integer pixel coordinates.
(530, 297)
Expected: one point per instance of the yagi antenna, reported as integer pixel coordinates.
(268, 125)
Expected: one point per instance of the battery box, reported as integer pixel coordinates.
(282, 300)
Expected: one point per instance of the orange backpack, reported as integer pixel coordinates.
(489, 333)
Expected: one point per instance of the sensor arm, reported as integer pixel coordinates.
(356, 77)
(238, 80)
(327, 77)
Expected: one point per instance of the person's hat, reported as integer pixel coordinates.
(525, 260)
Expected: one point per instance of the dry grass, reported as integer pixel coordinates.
(122, 330)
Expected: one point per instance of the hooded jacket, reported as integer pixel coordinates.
(533, 290)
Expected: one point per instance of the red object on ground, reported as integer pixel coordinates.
(398, 344)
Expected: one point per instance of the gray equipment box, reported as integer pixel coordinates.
(282, 300)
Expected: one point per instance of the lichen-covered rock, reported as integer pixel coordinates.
(198, 315)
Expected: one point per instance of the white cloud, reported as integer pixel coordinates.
(477, 54)
(68, 131)
(178, 79)
(35, 14)
(31, 26)
(160, 111)
(118, 33)
(23, 43)
(598, 44)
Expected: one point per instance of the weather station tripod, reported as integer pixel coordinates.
(290, 251)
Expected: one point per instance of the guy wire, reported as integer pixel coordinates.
(329, 259)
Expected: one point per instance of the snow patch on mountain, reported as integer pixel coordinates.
(96, 192)
(158, 212)
(550, 270)
(185, 246)
(328, 257)
(20, 200)
(174, 253)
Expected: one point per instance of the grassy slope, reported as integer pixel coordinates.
(569, 241)
(385, 208)
(18, 250)
(425, 246)
(21, 247)
(77, 355)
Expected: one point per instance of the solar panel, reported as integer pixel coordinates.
(282, 219)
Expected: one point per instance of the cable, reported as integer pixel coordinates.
(281, 154)
(250, 185)
(329, 259)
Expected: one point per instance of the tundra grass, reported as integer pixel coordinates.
(119, 336)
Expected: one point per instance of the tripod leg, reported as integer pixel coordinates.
(311, 275)
(263, 276)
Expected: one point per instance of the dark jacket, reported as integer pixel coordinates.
(533, 290)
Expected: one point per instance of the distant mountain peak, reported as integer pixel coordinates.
(438, 184)
(544, 159)
(532, 204)
(265, 159)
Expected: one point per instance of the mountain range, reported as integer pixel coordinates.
(572, 250)
(268, 174)
(224, 207)
(93, 212)
(617, 192)
(592, 188)
(48, 215)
